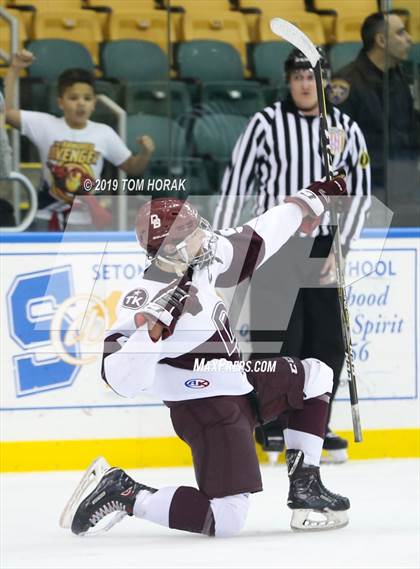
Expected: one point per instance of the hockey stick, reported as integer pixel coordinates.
(296, 37)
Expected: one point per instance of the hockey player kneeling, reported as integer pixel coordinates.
(173, 318)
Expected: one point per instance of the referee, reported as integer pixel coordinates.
(294, 300)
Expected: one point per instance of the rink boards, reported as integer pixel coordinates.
(58, 297)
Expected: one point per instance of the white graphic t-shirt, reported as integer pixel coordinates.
(69, 156)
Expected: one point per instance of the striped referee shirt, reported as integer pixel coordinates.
(279, 153)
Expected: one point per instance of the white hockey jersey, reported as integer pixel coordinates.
(201, 358)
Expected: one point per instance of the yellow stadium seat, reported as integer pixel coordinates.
(149, 25)
(212, 6)
(347, 28)
(229, 27)
(343, 8)
(201, 6)
(48, 4)
(77, 25)
(122, 5)
(257, 25)
(283, 5)
(413, 23)
(41, 5)
(310, 24)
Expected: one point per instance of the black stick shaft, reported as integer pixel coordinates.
(339, 264)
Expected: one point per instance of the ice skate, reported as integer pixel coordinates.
(114, 491)
(334, 449)
(314, 507)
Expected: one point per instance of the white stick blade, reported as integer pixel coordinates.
(296, 37)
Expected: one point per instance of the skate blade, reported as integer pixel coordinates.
(316, 520)
(334, 456)
(91, 477)
(102, 528)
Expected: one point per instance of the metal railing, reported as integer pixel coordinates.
(15, 135)
(121, 114)
(22, 225)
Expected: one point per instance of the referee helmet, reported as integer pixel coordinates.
(298, 60)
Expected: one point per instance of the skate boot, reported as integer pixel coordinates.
(314, 507)
(335, 449)
(271, 439)
(114, 491)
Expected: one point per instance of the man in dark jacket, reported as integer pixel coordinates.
(374, 91)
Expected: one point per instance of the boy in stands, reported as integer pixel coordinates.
(72, 148)
(175, 318)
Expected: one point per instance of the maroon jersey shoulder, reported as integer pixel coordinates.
(248, 252)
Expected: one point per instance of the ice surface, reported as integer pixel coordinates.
(383, 530)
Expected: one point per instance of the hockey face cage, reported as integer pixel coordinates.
(206, 251)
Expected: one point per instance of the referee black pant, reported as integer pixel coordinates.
(291, 314)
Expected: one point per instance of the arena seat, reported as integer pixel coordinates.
(268, 60)
(215, 136)
(268, 66)
(413, 9)
(281, 8)
(258, 26)
(135, 59)
(414, 54)
(144, 68)
(47, 4)
(52, 56)
(80, 26)
(309, 23)
(228, 27)
(209, 60)
(171, 159)
(149, 25)
(342, 54)
(217, 71)
(198, 5)
(347, 28)
(179, 7)
(122, 5)
(331, 11)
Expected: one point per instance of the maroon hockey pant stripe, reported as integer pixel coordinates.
(190, 510)
(312, 418)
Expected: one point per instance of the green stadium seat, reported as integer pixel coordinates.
(53, 56)
(171, 159)
(268, 66)
(216, 77)
(414, 54)
(138, 60)
(143, 68)
(342, 54)
(215, 136)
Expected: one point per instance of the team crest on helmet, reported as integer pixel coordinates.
(135, 299)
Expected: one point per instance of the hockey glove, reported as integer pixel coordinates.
(317, 198)
(166, 308)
